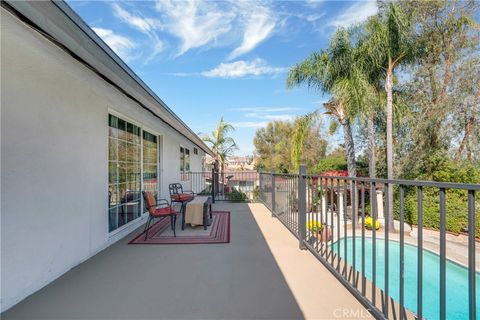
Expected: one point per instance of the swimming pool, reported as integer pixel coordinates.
(456, 277)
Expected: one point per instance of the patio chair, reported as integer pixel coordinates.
(157, 209)
(178, 195)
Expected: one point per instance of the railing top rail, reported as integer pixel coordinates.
(417, 183)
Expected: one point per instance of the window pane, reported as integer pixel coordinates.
(112, 219)
(122, 128)
(112, 172)
(122, 150)
(187, 160)
(182, 158)
(122, 172)
(112, 149)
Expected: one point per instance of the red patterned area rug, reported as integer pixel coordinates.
(161, 233)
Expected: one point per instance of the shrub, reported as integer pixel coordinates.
(256, 193)
(439, 167)
(236, 195)
(369, 223)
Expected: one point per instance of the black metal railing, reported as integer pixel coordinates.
(224, 186)
(336, 219)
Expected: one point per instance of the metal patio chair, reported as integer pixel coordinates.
(158, 209)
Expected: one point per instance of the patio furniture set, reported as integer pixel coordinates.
(195, 210)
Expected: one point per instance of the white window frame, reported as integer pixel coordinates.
(159, 169)
(184, 175)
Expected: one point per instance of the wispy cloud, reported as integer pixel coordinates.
(241, 68)
(122, 45)
(195, 23)
(313, 3)
(138, 22)
(249, 124)
(271, 117)
(356, 13)
(258, 27)
(145, 25)
(265, 109)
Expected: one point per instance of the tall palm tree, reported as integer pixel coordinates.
(337, 71)
(390, 43)
(222, 145)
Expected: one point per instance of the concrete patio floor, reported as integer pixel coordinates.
(260, 274)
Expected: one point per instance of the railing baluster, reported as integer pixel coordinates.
(386, 219)
(274, 195)
(471, 254)
(323, 221)
(402, 247)
(364, 279)
(419, 252)
(332, 223)
(373, 215)
(353, 200)
(442, 255)
(338, 225)
(345, 228)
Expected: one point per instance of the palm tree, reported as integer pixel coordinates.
(222, 145)
(337, 71)
(389, 43)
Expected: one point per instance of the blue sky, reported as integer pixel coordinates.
(210, 59)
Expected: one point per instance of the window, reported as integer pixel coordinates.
(184, 163)
(150, 163)
(124, 172)
(184, 160)
(195, 151)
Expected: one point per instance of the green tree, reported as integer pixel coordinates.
(274, 146)
(221, 143)
(301, 129)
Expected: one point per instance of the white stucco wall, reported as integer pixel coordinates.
(54, 173)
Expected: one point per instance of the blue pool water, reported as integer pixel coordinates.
(456, 275)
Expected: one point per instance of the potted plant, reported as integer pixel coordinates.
(319, 231)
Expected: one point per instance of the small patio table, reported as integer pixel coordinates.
(198, 212)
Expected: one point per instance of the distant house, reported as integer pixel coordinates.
(240, 163)
(81, 136)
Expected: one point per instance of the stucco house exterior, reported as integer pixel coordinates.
(81, 137)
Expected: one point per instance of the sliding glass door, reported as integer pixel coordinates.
(124, 168)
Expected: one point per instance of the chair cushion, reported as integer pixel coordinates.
(182, 197)
(165, 211)
(150, 202)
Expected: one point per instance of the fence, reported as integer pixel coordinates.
(331, 217)
(223, 186)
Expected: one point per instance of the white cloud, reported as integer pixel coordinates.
(356, 13)
(122, 46)
(313, 3)
(195, 23)
(136, 21)
(144, 25)
(258, 27)
(250, 124)
(241, 68)
(265, 109)
(271, 117)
